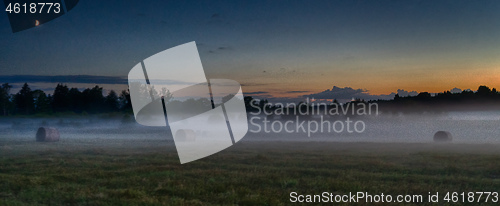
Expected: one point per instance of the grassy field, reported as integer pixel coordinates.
(249, 173)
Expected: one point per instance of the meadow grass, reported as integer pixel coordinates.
(249, 173)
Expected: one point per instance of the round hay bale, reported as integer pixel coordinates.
(442, 136)
(215, 118)
(47, 134)
(185, 135)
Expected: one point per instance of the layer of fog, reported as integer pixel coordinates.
(466, 127)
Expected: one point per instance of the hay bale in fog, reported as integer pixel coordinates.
(47, 134)
(442, 136)
(185, 135)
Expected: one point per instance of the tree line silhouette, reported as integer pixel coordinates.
(482, 99)
(63, 100)
(93, 101)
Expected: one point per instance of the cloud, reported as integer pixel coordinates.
(17, 86)
(48, 88)
(336, 93)
(254, 84)
(63, 79)
(259, 95)
(169, 82)
(215, 15)
(217, 20)
(219, 49)
(347, 93)
(283, 74)
(403, 93)
(254, 93)
(292, 92)
(83, 80)
(456, 90)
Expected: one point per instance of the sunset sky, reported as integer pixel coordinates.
(274, 49)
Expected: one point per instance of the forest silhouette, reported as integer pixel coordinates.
(65, 100)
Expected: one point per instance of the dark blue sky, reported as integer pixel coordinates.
(274, 46)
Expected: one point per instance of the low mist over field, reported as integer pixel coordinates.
(466, 127)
